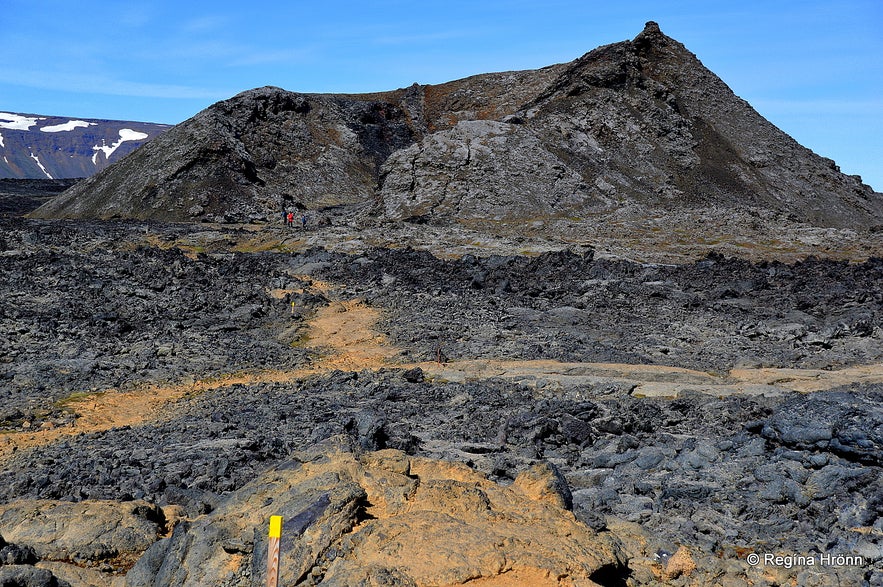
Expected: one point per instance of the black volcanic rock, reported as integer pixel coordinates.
(52, 147)
(639, 124)
(20, 196)
(720, 472)
(29, 576)
(247, 158)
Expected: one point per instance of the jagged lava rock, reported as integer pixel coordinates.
(29, 576)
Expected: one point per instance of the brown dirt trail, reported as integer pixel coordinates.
(344, 337)
(342, 334)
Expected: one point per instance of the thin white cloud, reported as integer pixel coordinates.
(205, 53)
(189, 54)
(256, 57)
(424, 37)
(205, 24)
(95, 84)
(135, 15)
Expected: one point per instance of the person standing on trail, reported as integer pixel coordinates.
(290, 219)
(303, 221)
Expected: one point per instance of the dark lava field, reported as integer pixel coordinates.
(88, 308)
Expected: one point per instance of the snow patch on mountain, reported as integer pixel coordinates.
(69, 125)
(40, 165)
(2, 144)
(126, 134)
(17, 121)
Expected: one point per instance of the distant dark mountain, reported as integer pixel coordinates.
(34, 146)
(636, 125)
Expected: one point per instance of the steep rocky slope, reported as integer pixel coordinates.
(248, 158)
(639, 125)
(634, 123)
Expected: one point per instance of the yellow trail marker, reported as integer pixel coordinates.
(275, 526)
(273, 551)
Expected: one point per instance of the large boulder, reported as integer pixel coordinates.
(487, 172)
(86, 533)
(29, 576)
(350, 518)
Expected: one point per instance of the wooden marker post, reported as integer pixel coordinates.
(273, 551)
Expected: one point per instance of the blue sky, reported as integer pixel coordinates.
(813, 68)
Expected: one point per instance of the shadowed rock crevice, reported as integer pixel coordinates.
(611, 576)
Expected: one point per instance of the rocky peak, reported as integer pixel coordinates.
(638, 124)
(651, 43)
(650, 34)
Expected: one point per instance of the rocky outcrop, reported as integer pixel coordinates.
(486, 171)
(353, 518)
(29, 576)
(637, 125)
(248, 158)
(83, 533)
(13, 554)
